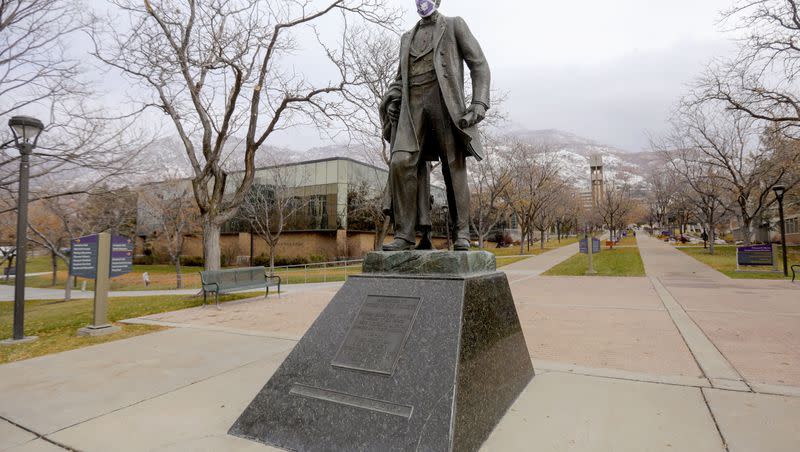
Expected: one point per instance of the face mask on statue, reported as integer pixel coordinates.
(426, 7)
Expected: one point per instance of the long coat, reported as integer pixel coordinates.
(453, 45)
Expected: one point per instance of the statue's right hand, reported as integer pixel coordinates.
(394, 111)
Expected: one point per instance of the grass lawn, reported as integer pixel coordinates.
(57, 323)
(502, 261)
(627, 241)
(535, 249)
(162, 277)
(617, 262)
(724, 261)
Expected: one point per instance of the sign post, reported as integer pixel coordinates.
(101, 257)
(591, 251)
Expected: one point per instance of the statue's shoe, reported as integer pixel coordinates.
(399, 245)
(461, 245)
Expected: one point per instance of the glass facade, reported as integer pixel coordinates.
(323, 193)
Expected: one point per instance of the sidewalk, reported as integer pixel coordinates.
(31, 293)
(615, 371)
(749, 326)
(538, 264)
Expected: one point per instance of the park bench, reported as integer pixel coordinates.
(795, 269)
(235, 280)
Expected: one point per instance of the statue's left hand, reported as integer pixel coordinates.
(479, 110)
(474, 115)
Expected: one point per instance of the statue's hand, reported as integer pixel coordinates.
(474, 115)
(394, 111)
(480, 112)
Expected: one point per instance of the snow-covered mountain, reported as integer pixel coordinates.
(168, 159)
(574, 153)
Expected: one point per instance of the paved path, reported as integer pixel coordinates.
(617, 370)
(743, 333)
(7, 292)
(539, 264)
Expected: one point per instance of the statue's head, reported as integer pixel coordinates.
(427, 7)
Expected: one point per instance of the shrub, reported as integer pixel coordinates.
(192, 261)
(143, 260)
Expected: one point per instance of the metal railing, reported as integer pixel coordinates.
(320, 272)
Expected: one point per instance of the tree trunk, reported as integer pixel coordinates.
(178, 276)
(68, 288)
(711, 238)
(541, 236)
(211, 245)
(54, 263)
(272, 259)
(746, 231)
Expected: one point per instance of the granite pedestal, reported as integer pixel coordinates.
(423, 352)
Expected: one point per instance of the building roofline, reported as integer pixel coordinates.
(263, 168)
(309, 162)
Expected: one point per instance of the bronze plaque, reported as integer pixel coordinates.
(378, 334)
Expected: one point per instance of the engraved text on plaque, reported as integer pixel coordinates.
(378, 334)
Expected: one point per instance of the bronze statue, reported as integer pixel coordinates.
(426, 119)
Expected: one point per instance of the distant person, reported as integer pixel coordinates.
(705, 239)
(146, 279)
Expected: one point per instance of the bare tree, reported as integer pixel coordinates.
(488, 182)
(271, 203)
(615, 206)
(34, 68)
(54, 223)
(761, 81)
(743, 162)
(170, 212)
(365, 211)
(38, 77)
(216, 67)
(373, 57)
(533, 171)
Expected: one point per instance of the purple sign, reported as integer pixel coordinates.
(121, 256)
(755, 256)
(83, 261)
(583, 246)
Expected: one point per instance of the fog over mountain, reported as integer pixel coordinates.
(168, 159)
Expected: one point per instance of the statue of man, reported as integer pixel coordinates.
(428, 120)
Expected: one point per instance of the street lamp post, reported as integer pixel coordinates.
(780, 190)
(26, 132)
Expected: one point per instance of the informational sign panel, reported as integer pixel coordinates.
(755, 256)
(378, 334)
(84, 257)
(121, 256)
(584, 246)
(84, 252)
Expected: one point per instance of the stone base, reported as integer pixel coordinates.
(94, 331)
(24, 340)
(430, 263)
(398, 363)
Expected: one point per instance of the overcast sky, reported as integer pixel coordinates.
(608, 70)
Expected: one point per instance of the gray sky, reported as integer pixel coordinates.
(606, 70)
(609, 70)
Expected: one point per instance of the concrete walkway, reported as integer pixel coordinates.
(31, 293)
(539, 264)
(618, 370)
